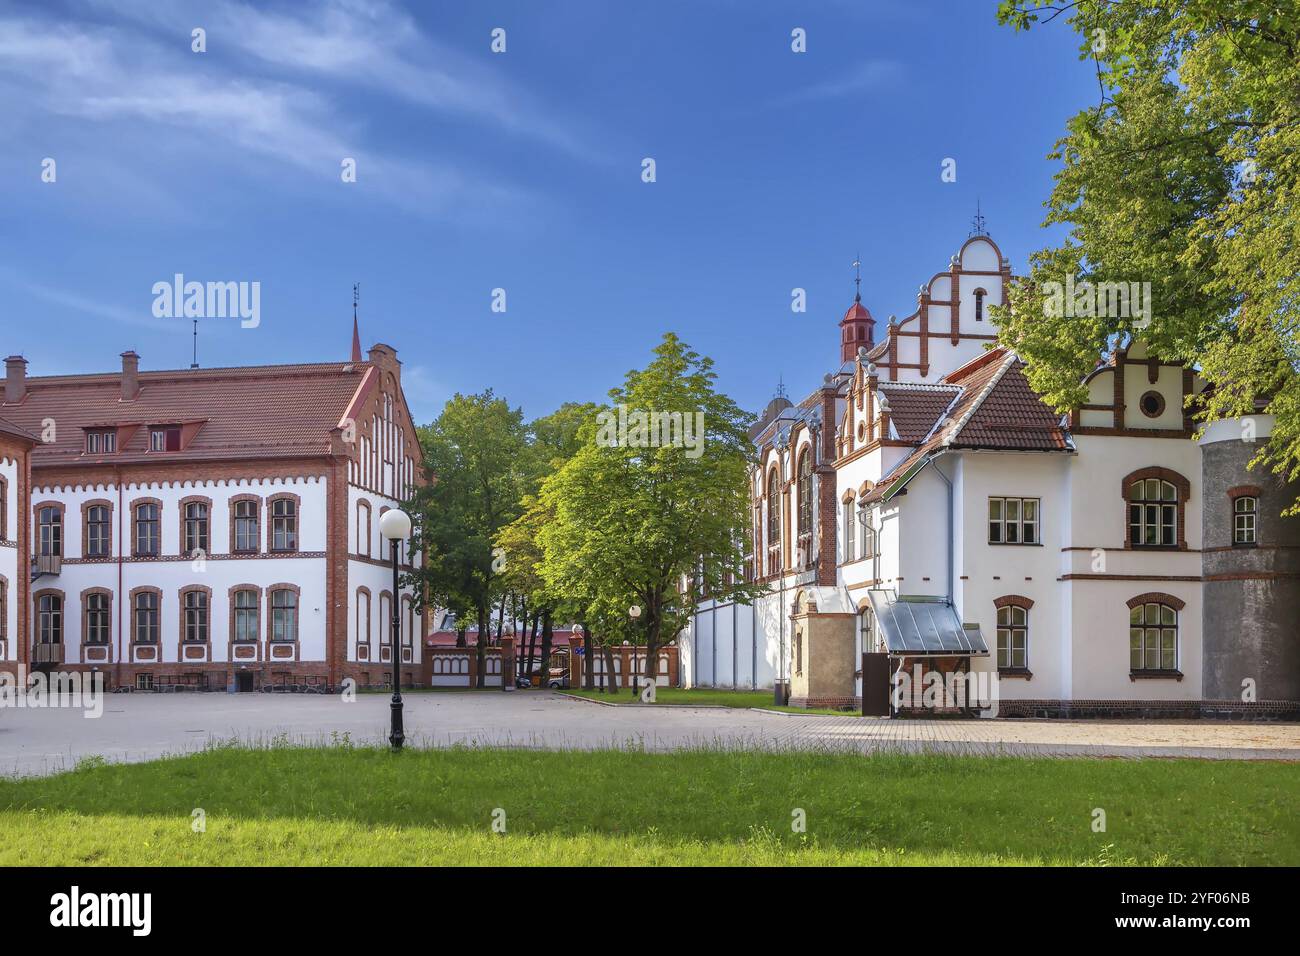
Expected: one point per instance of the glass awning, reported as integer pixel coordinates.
(924, 626)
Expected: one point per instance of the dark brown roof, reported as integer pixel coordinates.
(914, 409)
(267, 411)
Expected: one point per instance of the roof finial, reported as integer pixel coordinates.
(194, 363)
(356, 331)
(780, 386)
(857, 278)
(977, 224)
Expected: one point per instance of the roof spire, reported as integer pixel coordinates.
(977, 224)
(780, 386)
(356, 331)
(857, 278)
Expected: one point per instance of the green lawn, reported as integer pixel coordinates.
(707, 697)
(347, 805)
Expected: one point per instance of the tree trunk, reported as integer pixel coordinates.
(522, 643)
(501, 618)
(484, 623)
(611, 677)
(460, 635)
(547, 636)
(588, 659)
(532, 642)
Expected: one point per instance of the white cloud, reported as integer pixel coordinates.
(870, 75)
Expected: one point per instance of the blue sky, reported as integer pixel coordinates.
(519, 170)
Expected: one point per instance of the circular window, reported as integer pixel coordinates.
(1152, 404)
(862, 430)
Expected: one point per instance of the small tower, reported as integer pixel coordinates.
(857, 328)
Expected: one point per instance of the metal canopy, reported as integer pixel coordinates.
(924, 626)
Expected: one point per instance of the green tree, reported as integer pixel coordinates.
(1186, 174)
(646, 519)
(475, 452)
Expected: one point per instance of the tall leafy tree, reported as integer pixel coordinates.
(475, 451)
(646, 515)
(1185, 174)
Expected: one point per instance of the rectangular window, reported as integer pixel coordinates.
(101, 442)
(284, 616)
(196, 528)
(148, 530)
(196, 616)
(165, 438)
(246, 530)
(97, 618)
(50, 619)
(284, 525)
(1153, 514)
(246, 615)
(98, 531)
(1014, 521)
(144, 682)
(50, 531)
(145, 623)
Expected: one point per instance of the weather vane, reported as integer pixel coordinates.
(356, 298)
(857, 279)
(977, 224)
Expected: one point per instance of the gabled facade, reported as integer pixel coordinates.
(209, 527)
(925, 504)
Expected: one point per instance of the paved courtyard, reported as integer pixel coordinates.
(144, 726)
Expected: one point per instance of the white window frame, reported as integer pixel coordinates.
(1003, 521)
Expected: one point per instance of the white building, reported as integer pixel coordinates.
(210, 527)
(924, 504)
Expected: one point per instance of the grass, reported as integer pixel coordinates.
(349, 805)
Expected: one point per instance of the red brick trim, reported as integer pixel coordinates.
(84, 597)
(85, 526)
(257, 543)
(1244, 491)
(182, 543)
(1157, 597)
(270, 521)
(271, 589)
(4, 508)
(4, 611)
(1013, 600)
(135, 520)
(849, 495)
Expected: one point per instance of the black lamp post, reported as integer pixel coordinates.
(395, 525)
(634, 612)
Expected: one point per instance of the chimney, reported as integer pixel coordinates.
(130, 376)
(15, 379)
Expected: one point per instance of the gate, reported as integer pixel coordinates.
(875, 685)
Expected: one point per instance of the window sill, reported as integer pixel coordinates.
(1155, 675)
(1245, 545)
(1015, 544)
(1015, 673)
(1156, 547)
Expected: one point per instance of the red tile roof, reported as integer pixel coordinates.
(913, 409)
(253, 412)
(995, 409)
(13, 431)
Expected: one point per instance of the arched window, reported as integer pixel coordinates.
(979, 304)
(805, 493)
(850, 532)
(146, 516)
(773, 515)
(195, 527)
(1155, 499)
(194, 615)
(97, 611)
(49, 521)
(363, 528)
(1153, 633)
(1244, 513)
(144, 617)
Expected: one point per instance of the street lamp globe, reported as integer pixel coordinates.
(634, 611)
(395, 525)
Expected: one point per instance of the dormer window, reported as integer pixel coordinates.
(101, 442)
(165, 438)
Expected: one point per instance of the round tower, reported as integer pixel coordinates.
(1250, 564)
(857, 329)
